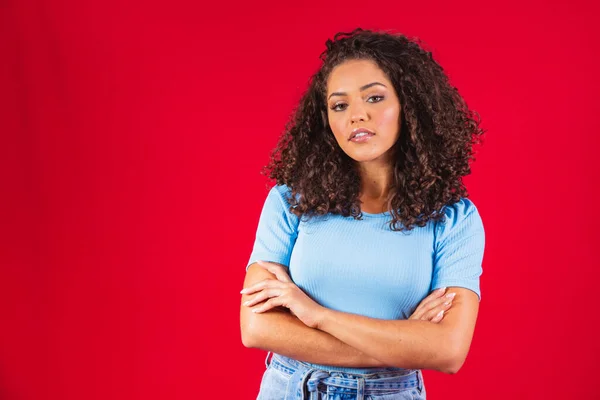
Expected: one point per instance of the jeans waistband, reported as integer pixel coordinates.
(304, 377)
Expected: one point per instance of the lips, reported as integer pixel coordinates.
(360, 130)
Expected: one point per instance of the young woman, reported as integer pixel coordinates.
(368, 254)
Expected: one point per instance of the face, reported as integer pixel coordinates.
(360, 95)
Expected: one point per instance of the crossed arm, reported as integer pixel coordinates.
(279, 331)
(352, 340)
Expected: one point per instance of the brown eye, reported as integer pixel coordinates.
(335, 107)
(379, 97)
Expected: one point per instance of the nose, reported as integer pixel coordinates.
(358, 112)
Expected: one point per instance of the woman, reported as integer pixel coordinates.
(368, 233)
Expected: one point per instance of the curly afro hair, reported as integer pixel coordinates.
(437, 133)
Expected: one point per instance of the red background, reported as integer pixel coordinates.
(132, 137)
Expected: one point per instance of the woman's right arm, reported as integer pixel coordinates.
(279, 331)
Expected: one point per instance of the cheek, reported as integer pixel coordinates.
(390, 118)
(336, 128)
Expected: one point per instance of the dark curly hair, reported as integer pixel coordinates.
(437, 133)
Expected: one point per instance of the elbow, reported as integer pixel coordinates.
(250, 334)
(451, 367)
(453, 358)
(453, 362)
(248, 337)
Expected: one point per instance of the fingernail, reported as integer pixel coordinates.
(440, 314)
(243, 291)
(450, 295)
(246, 302)
(442, 289)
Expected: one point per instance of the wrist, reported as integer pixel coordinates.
(322, 317)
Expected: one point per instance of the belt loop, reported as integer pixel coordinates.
(360, 388)
(266, 362)
(295, 386)
(420, 381)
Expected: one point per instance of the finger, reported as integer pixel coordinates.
(273, 302)
(252, 289)
(438, 317)
(433, 295)
(260, 286)
(277, 269)
(436, 302)
(265, 294)
(441, 300)
(429, 311)
(425, 305)
(435, 312)
(280, 271)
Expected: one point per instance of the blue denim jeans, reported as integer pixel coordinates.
(289, 379)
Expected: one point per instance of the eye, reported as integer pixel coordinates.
(373, 97)
(335, 106)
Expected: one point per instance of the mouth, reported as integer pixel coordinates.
(360, 134)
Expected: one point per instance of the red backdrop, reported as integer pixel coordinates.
(132, 137)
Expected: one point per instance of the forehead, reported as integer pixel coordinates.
(353, 74)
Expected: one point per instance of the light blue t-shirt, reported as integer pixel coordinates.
(362, 266)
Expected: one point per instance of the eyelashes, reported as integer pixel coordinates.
(335, 107)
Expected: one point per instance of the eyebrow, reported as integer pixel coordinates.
(365, 87)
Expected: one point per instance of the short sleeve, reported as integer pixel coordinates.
(459, 246)
(277, 229)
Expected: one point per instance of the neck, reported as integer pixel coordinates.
(376, 180)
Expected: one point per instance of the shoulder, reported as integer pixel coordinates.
(278, 200)
(461, 217)
(462, 209)
(282, 193)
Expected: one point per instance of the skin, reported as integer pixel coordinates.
(360, 95)
(279, 331)
(407, 343)
(352, 102)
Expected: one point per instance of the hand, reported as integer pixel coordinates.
(283, 292)
(433, 307)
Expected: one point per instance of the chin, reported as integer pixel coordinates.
(364, 158)
(365, 154)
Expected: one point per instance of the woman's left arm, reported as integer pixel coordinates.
(411, 344)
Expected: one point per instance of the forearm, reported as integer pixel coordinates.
(281, 332)
(414, 344)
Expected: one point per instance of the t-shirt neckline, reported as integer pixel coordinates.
(378, 215)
